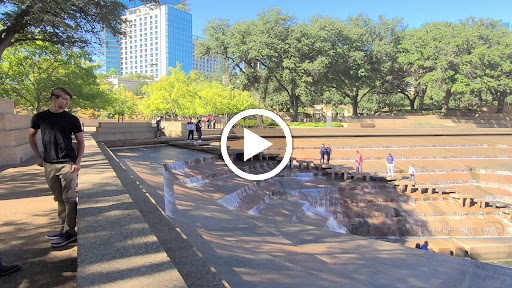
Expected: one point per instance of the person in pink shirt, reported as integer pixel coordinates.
(359, 159)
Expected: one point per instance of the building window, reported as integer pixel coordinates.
(156, 21)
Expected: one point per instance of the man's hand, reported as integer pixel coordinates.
(75, 167)
(39, 161)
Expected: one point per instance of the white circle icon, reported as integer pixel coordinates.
(252, 147)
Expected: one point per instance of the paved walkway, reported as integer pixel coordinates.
(27, 214)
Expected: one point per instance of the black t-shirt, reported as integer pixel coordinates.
(198, 127)
(56, 131)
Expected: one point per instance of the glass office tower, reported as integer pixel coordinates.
(157, 38)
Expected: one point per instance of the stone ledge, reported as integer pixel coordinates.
(6, 106)
(15, 155)
(116, 246)
(14, 122)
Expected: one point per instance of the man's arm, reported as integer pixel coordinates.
(32, 139)
(80, 153)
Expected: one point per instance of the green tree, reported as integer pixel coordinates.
(122, 103)
(30, 70)
(488, 65)
(360, 54)
(61, 22)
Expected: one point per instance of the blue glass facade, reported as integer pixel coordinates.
(175, 41)
(179, 38)
(134, 4)
(506, 24)
(109, 57)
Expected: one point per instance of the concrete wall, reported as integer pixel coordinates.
(14, 145)
(124, 130)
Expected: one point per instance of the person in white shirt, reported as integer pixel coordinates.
(412, 173)
(390, 160)
(190, 128)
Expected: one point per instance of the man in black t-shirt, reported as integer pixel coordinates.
(60, 160)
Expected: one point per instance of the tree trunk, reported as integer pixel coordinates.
(412, 102)
(259, 120)
(4, 43)
(446, 100)
(38, 99)
(355, 104)
(501, 101)
(421, 98)
(18, 25)
(294, 103)
(480, 98)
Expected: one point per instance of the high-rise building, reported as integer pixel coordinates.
(108, 57)
(157, 38)
(204, 64)
(506, 24)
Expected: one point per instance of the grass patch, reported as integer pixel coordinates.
(314, 124)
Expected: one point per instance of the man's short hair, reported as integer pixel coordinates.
(60, 91)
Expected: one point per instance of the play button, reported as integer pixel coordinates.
(254, 144)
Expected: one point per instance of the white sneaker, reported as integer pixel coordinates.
(199, 141)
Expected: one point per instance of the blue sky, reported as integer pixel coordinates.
(414, 12)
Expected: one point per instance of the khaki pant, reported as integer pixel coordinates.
(62, 183)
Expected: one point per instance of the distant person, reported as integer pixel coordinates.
(199, 130)
(208, 121)
(328, 153)
(358, 166)
(8, 269)
(322, 153)
(190, 128)
(60, 160)
(158, 132)
(418, 246)
(214, 122)
(412, 173)
(424, 246)
(359, 158)
(390, 162)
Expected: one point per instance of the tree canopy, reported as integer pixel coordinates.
(62, 22)
(30, 70)
(294, 64)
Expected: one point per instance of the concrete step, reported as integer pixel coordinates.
(13, 138)
(124, 124)
(149, 134)
(124, 129)
(6, 106)
(13, 122)
(15, 155)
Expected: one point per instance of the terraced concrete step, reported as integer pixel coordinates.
(15, 155)
(6, 106)
(14, 122)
